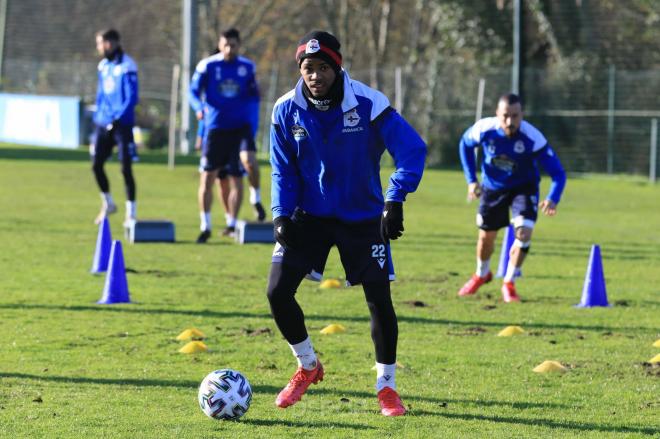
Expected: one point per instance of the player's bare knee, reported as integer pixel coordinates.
(523, 239)
(524, 234)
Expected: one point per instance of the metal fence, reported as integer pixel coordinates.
(601, 122)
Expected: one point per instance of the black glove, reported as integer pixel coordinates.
(112, 125)
(285, 231)
(391, 224)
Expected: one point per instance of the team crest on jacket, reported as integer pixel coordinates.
(351, 118)
(242, 71)
(490, 147)
(313, 46)
(299, 132)
(519, 147)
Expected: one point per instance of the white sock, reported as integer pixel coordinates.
(107, 199)
(304, 353)
(483, 267)
(131, 209)
(255, 195)
(205, 221)
(385, 376)
(231, 221)
(510, 272)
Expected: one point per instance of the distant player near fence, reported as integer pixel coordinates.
(512, 148)
(116, 98)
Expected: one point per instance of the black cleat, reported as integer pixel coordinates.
(203, 237)
(259, 212)
(229, 231)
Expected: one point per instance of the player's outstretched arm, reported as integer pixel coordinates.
(285, 186)
(197, 84)
(550, 162)
(409, 153)
(469, 163)
(130, 93)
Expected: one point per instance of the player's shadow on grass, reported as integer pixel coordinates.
(273, 390)
(136, 382)
(82, 155)
(541, 422)
(325, 318)
(518, 405)
(305, 424)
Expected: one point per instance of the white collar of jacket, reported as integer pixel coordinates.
(347, 104)
(352, 89)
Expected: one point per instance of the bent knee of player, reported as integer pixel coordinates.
(278, 292)
(524, 234)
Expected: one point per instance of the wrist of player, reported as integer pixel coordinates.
(391, 224)
(284, 231)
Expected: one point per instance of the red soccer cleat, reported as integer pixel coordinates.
(390, 403)
(298, 385)
(474, 283)
(509, 292)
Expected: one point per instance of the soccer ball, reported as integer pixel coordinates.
(225, 394)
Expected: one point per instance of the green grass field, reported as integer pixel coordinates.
(71, 368)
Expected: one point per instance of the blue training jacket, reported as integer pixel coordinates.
(227, 92)
(508, 163)
(328, 163)
(117, 91)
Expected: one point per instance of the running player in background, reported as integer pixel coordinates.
(116, 98)
(224, 92)
(327, 137)
(512, 149)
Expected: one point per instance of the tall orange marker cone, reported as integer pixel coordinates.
(116, 286)
(594, 292)
(103, 243)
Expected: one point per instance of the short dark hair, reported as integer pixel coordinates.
(109, 35)
(510, 99)
(231, 33)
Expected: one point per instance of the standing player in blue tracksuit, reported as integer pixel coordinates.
(327, 138)
(116, 98)
(224, 92)
(512, 149)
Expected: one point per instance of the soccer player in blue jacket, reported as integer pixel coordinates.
(224, 92)
(116, 98)
(327, 138)
(512, 149)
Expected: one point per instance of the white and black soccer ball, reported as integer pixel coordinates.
(225, 394)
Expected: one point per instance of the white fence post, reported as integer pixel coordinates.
(398, 96)
(653, 155)
(174, 103)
